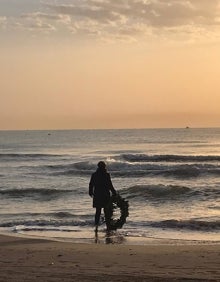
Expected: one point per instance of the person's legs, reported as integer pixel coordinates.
(107, 218)
(97, 215)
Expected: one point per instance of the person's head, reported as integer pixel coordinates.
(102, 165)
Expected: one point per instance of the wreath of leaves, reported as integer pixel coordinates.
(116, 201)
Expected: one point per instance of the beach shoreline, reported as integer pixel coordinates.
(34, 259)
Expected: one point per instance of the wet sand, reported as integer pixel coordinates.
(23, 259)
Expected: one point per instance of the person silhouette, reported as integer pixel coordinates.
(100, 186)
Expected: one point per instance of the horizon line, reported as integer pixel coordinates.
(125, 128)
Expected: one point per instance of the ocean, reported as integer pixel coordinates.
(171, 178)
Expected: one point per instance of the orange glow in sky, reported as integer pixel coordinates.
(109, 65)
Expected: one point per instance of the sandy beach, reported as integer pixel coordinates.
(24, 259)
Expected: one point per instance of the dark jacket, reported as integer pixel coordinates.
(100, 186)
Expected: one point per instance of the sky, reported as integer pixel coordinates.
(67, 64)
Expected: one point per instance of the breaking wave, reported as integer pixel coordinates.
(168, 158)
(156, 191)
(122, 165)
(129, 169)
(44, 223)
(199, 225)
(18, 157)
(130, 157)
(59, 214)
(32, 192)
(170, 192)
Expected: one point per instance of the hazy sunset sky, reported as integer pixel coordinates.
(109, 64)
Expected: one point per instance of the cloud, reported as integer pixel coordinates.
(33, 24)
(99, 14)
(136, 18)
(151, 12)
(40, 15)
(40, 25)
(126, 19)
(3, 22)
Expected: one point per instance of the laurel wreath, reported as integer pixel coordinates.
(117, 202)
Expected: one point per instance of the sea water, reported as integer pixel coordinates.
(171, 178)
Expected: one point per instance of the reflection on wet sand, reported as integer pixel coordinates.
(110, 237)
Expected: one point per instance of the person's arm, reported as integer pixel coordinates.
(111, 187)
(91, 186)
